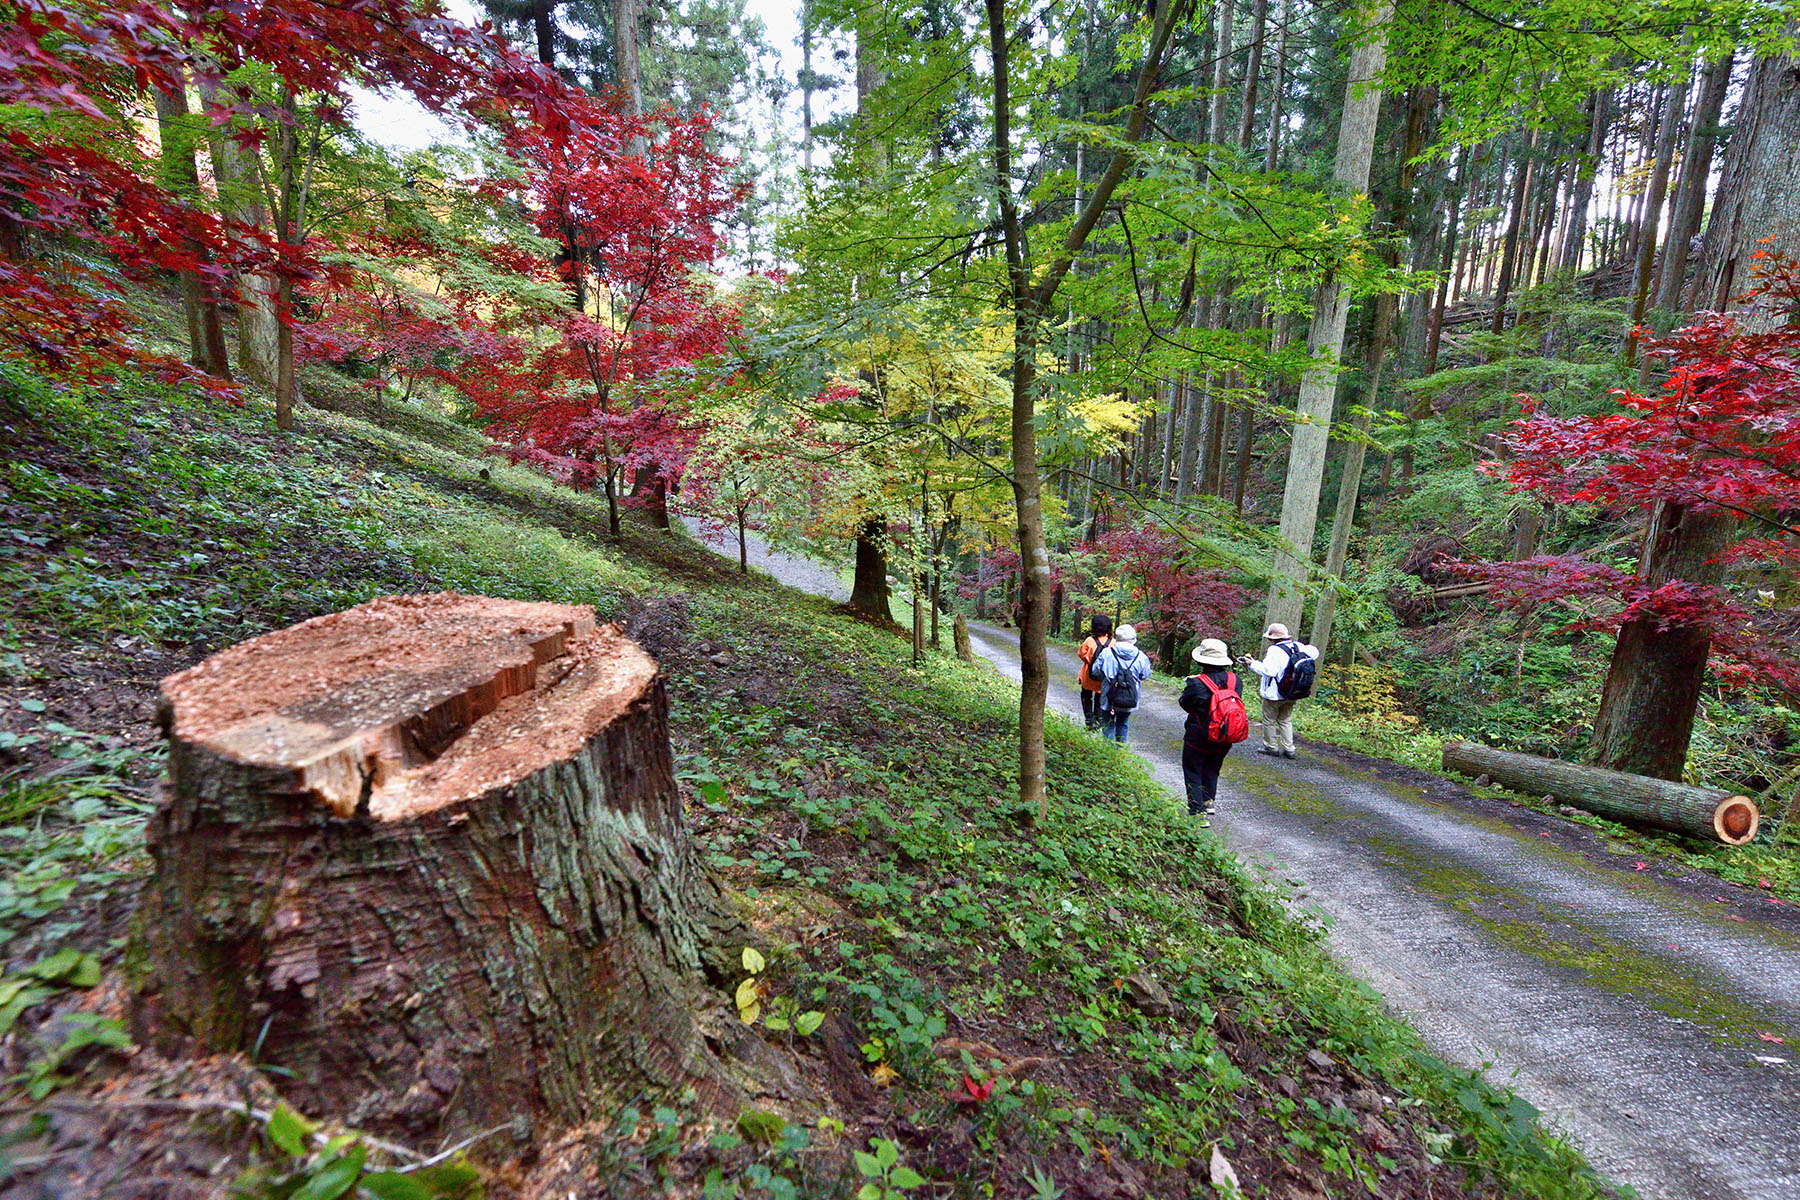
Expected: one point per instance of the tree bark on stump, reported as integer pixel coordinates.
(959, 633)
(428, 855)
(1633, 799)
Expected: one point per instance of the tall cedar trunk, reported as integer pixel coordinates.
(1653, 205)
(1509, 255)
(543, 26)
(1259, 21)
(1031, 293)
(1325, 340)
(1575, 234)
(1434, 337)
(199, 297)
(1759, 184)
(1193, 417)
(1272, 151)
(627, 77)
(240, 200)
(1690, 197)
(869, 586)
(429, 855)
(1646, 713)
(289, 224)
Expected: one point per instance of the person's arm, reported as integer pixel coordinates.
(1260, 667)
(1194, 697)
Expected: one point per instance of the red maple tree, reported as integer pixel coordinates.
(1714, 460)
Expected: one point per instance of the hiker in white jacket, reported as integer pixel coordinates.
(1277, 710)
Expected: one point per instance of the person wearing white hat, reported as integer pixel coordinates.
(1287, 668)
(1122, 667)
(1214, 702)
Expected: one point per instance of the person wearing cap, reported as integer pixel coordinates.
(1122, 668)
(1279, 648)
(1099, 638)
(1201, 755)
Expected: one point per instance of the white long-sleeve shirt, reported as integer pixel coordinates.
(1274, 662)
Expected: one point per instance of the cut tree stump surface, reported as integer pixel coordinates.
(407, 703)
(429, 855)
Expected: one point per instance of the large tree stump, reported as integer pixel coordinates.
(428, 855)
(1633, 799)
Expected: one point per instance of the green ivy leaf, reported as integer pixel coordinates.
(392, 1185)
(336, 1177)
(807, 1023)
(289, 1130)
(906, 1177)
(753, 960)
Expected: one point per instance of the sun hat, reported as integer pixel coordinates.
(1212, 653)
(1276, 633)
(1125, 633)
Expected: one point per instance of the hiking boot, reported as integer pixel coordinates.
(1287, 754)
(1270, 752)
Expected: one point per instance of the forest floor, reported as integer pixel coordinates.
(1647, 1008)
(1142, 1008)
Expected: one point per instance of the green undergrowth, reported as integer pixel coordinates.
(862, 806)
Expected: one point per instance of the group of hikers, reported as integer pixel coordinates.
(1113, 670)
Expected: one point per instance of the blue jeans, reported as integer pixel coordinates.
(1115, 725)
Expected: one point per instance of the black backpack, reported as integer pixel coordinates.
(1296, 682)
(1122, 692)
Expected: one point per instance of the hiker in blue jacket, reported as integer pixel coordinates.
(1122, 668)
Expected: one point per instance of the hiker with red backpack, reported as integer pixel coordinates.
(1288, 668)
(1214, 702)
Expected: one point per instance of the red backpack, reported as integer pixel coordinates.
(1227, 723)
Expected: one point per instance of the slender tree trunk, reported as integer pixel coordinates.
(1259, 20)
(1510, 252)
(1646, 714)
(1031, 293)
(1272, 152)
(199, 300)
(543, 26)
(1696, 169)
(1434, 338)
(1318, 388)
(1658, 189)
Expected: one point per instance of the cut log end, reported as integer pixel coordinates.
(1736, 821)
(408, 703)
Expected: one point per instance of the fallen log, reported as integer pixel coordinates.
(427, 855)
(1631, 799)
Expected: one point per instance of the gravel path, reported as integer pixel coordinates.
(1652, 1016)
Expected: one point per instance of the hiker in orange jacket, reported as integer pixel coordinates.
(1099, 637)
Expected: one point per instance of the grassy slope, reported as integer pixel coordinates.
(860, 806)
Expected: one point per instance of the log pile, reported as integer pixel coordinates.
(428, 856)
(1630, 799)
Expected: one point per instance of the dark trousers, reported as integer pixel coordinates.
(1200, 771)
(1090, 707)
